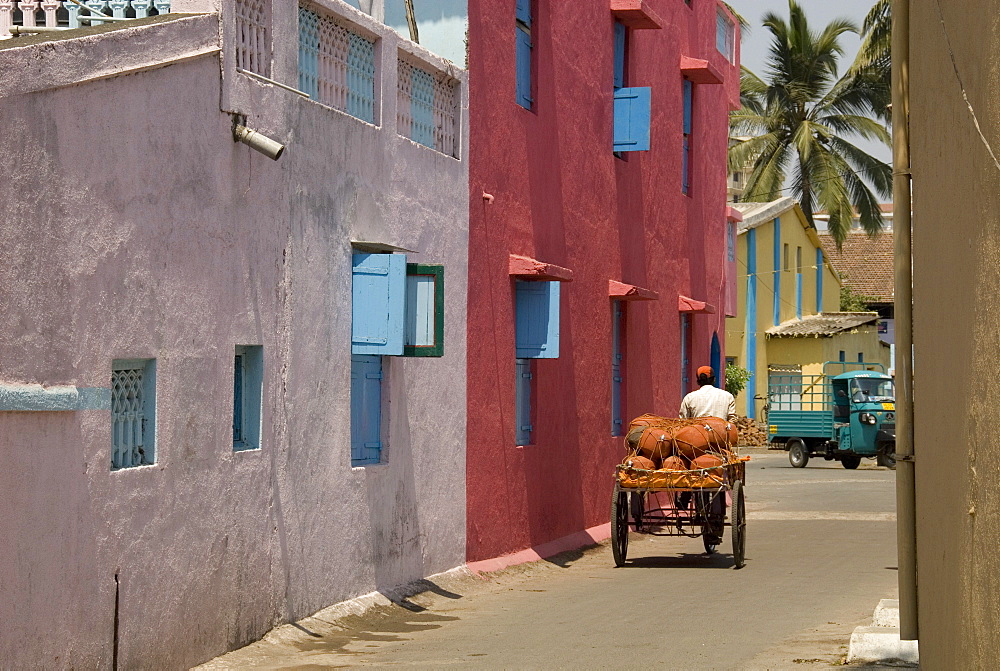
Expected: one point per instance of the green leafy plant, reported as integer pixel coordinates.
(852, 301)
(736, 378)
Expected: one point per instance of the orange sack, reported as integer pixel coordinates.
(662, 437)
(707, 461)
(637, 461)
(674, 464)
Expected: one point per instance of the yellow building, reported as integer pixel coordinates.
(788, 296)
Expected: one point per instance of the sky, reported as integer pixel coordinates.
(441, 24)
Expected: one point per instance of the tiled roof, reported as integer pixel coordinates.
(865, 264)
(823, 324)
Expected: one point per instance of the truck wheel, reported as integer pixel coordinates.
(886, 456)
(798, 455)
(851, 462)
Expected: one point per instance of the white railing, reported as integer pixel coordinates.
(58, 14)
(427, 107)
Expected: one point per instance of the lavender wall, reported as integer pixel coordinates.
(133, 226)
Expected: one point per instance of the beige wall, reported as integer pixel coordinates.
(794, 234)
(956, 261)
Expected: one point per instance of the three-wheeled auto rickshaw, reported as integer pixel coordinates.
(847, 413)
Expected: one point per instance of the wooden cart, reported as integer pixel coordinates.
(687, 503)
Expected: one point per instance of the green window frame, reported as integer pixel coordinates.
(422, 319)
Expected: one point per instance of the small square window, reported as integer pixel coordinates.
(133, 413)
(248, 386)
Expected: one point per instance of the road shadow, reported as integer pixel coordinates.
(383, 624)
(570, 557)
(683, 560)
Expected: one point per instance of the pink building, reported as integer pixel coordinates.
(598, 270)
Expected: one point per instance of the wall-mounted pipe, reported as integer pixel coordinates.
(906, 520)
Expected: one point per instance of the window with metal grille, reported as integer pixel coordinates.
(133, 413)
(427, 106)
(337, 65)
(248, 386)
(253, 36)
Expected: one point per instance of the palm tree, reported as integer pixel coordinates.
(800, 119)
(873, 64)
(876, 48)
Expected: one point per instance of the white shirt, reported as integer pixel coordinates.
(709, 401)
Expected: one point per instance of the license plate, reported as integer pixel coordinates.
(888, 406)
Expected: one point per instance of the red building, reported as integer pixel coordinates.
(598, 270)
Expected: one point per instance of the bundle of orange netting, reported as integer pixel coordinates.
(664, 452)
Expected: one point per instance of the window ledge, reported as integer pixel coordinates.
(699, 71)
(635, 14)
(527, 268)
(629, 292)
(690, 305)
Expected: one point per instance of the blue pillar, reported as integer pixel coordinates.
(777, 271)
(798, 295)
(751, 321)
(819, 279)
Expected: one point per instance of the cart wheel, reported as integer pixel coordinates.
(619, 526)
(850, 463)
(739, 524)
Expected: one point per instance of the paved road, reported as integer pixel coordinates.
(820, 554)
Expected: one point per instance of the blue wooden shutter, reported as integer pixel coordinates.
(523, 12)
(522, 402)
(686, 149)
(619, 54)
(378, 297)
(537, 320)
(523, 67)
(616, 368)
(632, 115)
(366, 409)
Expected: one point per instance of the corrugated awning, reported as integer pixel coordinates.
(685, 304)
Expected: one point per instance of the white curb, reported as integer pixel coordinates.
(880, 642)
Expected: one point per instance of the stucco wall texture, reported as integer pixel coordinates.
(561, 196)
(956, 331)
(140, 229)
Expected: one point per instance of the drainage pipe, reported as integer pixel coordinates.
(906, 524)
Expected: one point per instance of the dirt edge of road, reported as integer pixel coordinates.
(333, 629)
